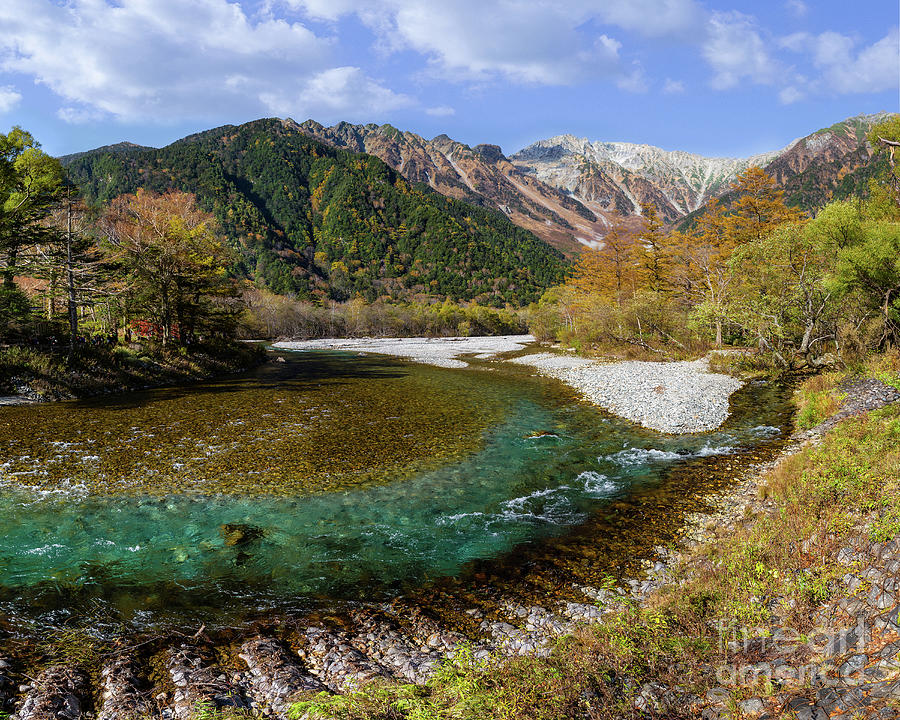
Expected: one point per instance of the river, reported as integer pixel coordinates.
(330, 478)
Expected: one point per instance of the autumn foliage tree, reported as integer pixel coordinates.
(655, 286)
(759, 208)
(172, 264)
(607, 271)
(654, 252)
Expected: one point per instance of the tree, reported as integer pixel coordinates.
(759, 208)
(782, 295)
(606, 271)
(29, 184)
(708, 249)
(654, 252)
(69, 260)
(870, 268)
(885, 190)
(172, 262)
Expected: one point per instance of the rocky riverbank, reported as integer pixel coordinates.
(670, 397)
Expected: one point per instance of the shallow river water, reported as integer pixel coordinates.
(325, 478)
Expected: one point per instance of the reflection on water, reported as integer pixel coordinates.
(328, 477)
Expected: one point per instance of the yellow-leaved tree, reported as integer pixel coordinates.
(172, 263)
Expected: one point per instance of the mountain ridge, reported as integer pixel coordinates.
(317, 221)
(683, 181)
(568, 190)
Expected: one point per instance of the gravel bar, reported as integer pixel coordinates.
(442, 352)
(670, 397)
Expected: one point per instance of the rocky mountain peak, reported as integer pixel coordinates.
(566, 188)
(491, 153)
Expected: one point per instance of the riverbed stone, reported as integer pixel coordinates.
(58, 693)
(197, 684)
(125, 692)
(331, 657)
(275, 678)
(378, 637)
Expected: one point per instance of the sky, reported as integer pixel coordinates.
(716, 77)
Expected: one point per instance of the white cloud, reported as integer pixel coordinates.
(831, 48)
(336, 92)
(543, 42)
(737, 52)
(790, 95)
(9, 98)
(169, 60)
(634, 81)
(79, 115)
(654, 18)
(476, 40)
(796, 42)
(798, 8)
(872, 69)
(842, 67)
(440, 111)
(673, 87)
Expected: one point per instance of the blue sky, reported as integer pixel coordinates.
(721, 77)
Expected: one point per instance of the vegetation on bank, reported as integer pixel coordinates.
(46, 373)
(276, 316)
(805, 291)
(94, 300)
(824, 496)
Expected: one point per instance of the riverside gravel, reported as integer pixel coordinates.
(670, 397)
(442, 352)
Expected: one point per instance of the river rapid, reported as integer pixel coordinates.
(332, 478)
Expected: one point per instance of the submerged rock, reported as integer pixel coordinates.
(236, 534)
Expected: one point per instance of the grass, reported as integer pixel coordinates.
(818, 399)
(885, 367)
(846, 488)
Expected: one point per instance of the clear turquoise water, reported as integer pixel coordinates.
(144, 558)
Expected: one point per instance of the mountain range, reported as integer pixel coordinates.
(308, 219)
(375, 211)
(567, 190)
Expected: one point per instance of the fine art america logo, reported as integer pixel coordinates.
(832, 662)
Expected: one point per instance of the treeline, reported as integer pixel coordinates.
(757, 273)
(145, 266)
(277, 316)
(154, 269)
(324, 224)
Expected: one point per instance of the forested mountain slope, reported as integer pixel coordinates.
(314, 220)
(482, 175)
